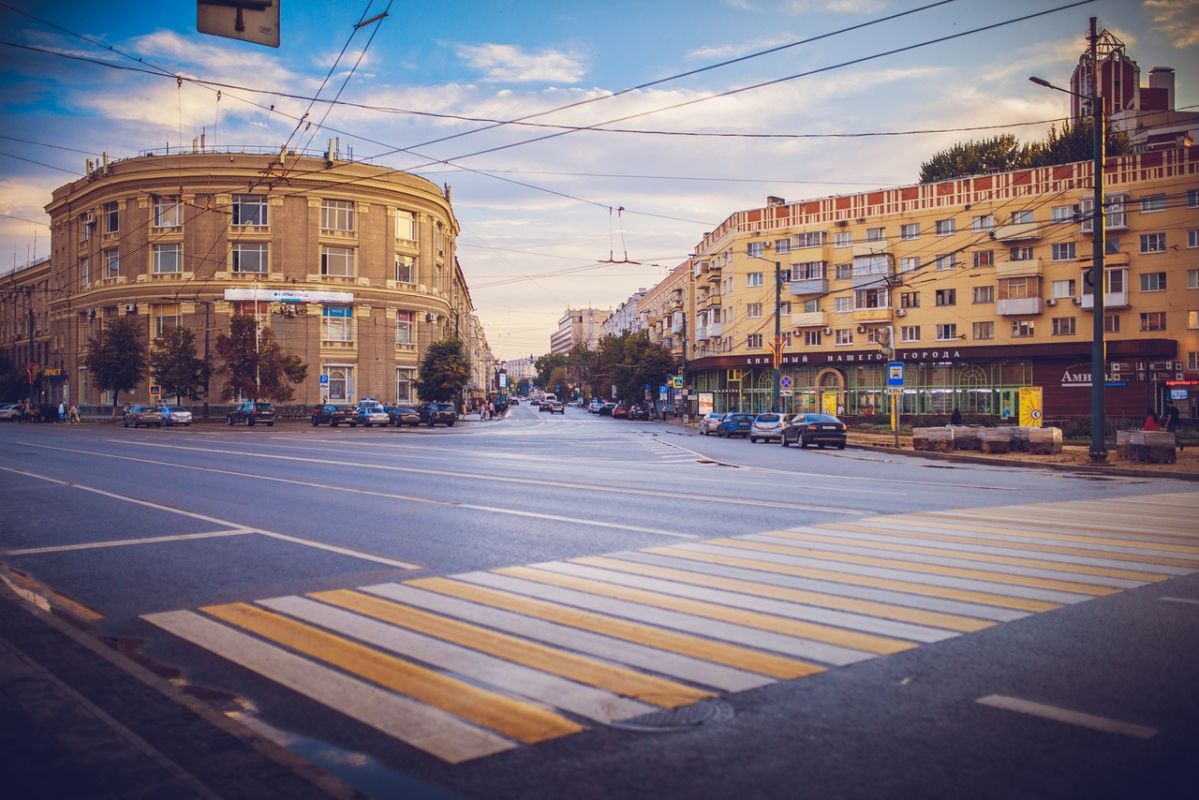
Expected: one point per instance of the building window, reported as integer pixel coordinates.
(947, 331)
(985, 222)
(1193, 237)
(1192, 360)
(810, 239)
(250, 210)
(1153, 282)
(1153, 321)
(1192, 278)
(844, 272)
(909, 299)
(1192, 198)
(166, 319)
(112, 218)
(983, 258)
(406, 225)
(112, 263)
(945, 227)
(405, 269)
(1063, 251)
(85, 270)
(1062, 288)
(1019, 288)
(341, 383)
(947, 261)
(404, 392)
(983, 294)
(842, 239)
(439, 240)
(784, 276)
(842, 337)
(168, 212)
(785, 307)
(337, 215)
(1062, 213)
(874, 234)
(946, 297)
(1023, 328)
(168, 258)
(1063, 326)
(811, 338)
(909, 333)
(753, 311)
(754, 341)
(753, 279)
(811, 306)
(807, 270)
(337, 261)
(405, 328)
(250, 257)
(872, 298)
(909, 264)
(755, 249)
(1111, 323)
(1153, 243)
(1192, 320)
(1021, 217)
(782, 245)
(909, 231)
(842, 304)
(337, 324)
(1020, 254)
(1153, 202)
(983, 330)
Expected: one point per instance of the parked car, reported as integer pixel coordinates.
(331, 414)
(404, 415)
(513, 400)
(818, 429)
(606, 409)
(138, 415)
(766, 427)
(535, 402)
(709, 421)
(370, 413)
(9, 412)
(737, 424)
(174, 415)
(596, 405)
(621, 411)
(252, 413)
(638, 412)
(433, 414)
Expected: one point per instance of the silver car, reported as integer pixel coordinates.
(139, 415)
(174, 415)
(767, 427)
(708, 423)
(369, 414)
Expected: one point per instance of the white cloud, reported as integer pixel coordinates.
(505, 63)
(1178, 19)
(835, 6)
(734, 49)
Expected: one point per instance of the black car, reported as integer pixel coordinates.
(433, 414)
(818, 429)
(638, 412)
(331, 414)
(404, 414)
(252, 414)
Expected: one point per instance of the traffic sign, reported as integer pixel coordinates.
(894, 373)
(324, 380)
(895, 391)
(678, 381)
(785, 382)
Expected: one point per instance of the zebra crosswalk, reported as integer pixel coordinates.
(469, 665)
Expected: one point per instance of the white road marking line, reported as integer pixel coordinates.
(183, 537)
(424, 727)
(1186, 600)
(1068, 716)
(216, 520)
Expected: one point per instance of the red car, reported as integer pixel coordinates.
(621, 411)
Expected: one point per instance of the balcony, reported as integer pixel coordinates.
(1018, 306)
(809, 286)
(714, 330)
(1021, 231)
(870, 280)
(713, 274)
(873, 248)
(1028, 268)
(1110, 300)
(863, 315)
(809, 319)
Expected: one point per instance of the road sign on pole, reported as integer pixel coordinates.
(895, 373)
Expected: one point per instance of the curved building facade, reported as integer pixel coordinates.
(351, 265)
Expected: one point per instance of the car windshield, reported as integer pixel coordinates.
(742, 418)
(170, 410)
(263, 406)
(768, 418)
(821, 418)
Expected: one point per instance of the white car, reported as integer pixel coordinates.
(174, 415)
(369, 414)
(708, 423)
(8, 411)
(767, 427)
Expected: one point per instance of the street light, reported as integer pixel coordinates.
(1098, 277)
(776, 346)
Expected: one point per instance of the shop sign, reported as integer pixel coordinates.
(856, 358)
(1079, 376)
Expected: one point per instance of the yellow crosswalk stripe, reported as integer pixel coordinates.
(520, 721)
(907, 587)
(984, 558)
(1049, 520)
(684, 644)
(867, 642)
(616, 679)
(938, 619)
(911, 566)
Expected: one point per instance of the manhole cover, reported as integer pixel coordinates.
(705, 712)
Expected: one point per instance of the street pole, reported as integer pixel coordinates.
(777, 350)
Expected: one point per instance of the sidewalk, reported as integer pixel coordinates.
(79, 721)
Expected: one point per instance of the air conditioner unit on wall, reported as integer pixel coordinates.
(430, 317)
(899, 312)
(827, 330)
(861, 329)
(1052, 301)
(1076, 300)
(131, 308)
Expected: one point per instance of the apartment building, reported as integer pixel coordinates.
(979, 286)
(578, 326)
(351, 265)
(625, 319)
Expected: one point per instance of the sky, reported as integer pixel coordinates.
(543, 209)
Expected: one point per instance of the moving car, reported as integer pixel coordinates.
(554, 407)
(252, 413)
(708, 423)
(766, 426)
(370, 413)
(174, 415)
(737, 424)
(138, 415)
(433, 414)
(404, 415)
(332, 414)
(818, 429)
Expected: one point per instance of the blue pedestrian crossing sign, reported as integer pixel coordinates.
(895, 373)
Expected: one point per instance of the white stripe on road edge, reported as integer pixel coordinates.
(1186, 600)
(183, 537)
(1057, 714)
(424, 727)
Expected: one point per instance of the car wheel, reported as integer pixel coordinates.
(229, 420)
(187, 424)
(753, 440)
(315, 422)
(841, 446)
(783, 441)
(125, 422)
(249, 422)
(803, 443)
(449, 424)
(366, 424)
(820, 445)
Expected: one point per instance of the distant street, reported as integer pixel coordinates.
(550, 605)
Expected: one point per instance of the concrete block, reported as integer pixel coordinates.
(996, 440)
(1044, 441)
(932, 439)
(1159, 447)
(967, 437)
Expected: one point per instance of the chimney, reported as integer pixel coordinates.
(1163, 78)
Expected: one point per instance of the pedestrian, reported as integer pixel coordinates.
(22, 412)
(1150, 423)
(490, 410)
(73, 414)
(482, 411)
(62, 412)
(956, 417)
(1170, 416)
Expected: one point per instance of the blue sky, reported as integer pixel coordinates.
(529, 251)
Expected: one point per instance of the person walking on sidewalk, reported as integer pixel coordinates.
(1150, 423)
(1170, 416)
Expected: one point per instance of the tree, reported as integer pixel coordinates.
(585, 364)
(1004, 152)
(116, 360)
(631, 361)
(12, 380)
(254, 365)
(444, 372)
(545, 366)
(175, 366)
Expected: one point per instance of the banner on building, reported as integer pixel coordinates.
(1031, 413)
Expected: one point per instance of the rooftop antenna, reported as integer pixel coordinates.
(624, 247)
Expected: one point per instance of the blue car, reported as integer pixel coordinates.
(736, 424)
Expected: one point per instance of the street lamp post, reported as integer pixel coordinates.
(1098, 277)
(776, 345)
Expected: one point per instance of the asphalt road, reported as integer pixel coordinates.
(548, 605)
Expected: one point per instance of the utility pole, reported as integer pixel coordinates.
(1099, 277)
(207, 368)
(776, 350)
